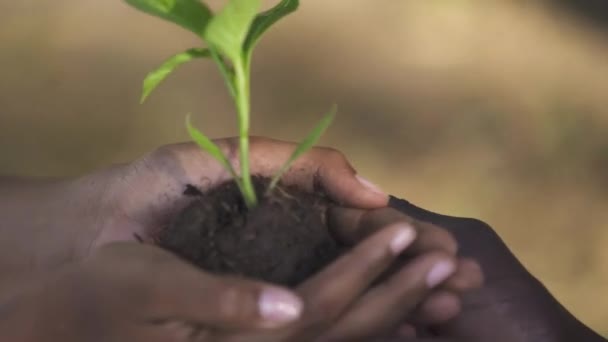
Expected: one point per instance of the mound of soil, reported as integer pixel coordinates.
(283, 240)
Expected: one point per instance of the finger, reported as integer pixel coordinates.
(445, 304)
(385, 306)
(468, 276)
(328, 293)
(320, 168)
(169, 289)
(353, 225)
(438, 308)
(227, 302)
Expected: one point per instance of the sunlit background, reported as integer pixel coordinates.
(490, 109)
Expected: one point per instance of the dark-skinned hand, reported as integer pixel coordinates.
(90, 280)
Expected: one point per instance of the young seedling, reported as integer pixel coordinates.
(230, 36)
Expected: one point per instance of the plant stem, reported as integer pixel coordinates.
(243, 110)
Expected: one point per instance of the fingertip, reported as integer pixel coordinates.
(344, 185)
(468, 276)
(329, 169)
(278, 307)
(475, 269)
(403, 237)
(352, 194)
(372, 193)
(440, 272)
(371, 187)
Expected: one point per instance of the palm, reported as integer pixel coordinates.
(148, 193)
(151, 192)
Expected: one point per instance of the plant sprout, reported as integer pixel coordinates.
(230, 36)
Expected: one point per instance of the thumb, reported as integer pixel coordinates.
(165, 288)
(225, 302)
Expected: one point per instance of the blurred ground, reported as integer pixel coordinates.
(490, 109)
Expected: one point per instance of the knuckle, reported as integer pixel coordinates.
(234, 303)
(450, 243)
(150, 162)
(480, 228)
(162, 155)
(321, 313)
(334, 155)
(439, 238)
(471, 234)
(329, 154)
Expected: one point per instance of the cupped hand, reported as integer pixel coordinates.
(395, 267)
(444, 302)
(136, 292)
(140, 198)
(145, 194)
(512, 305)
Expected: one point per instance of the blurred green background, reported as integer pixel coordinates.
(490, 109)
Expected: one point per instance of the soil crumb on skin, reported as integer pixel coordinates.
(283, 240)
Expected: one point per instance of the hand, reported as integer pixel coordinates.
(46, 224)
(138, 198)
(444, 302)
(146, 194)
(132, 292)
(354, 298)
(150, 192)
(512, 305)
(135, 292)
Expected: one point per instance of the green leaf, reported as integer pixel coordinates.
(154, 78)
(305, 145)
(228, 29)
(208, 145)
(192, 15)
(265, 20)
(226, 71)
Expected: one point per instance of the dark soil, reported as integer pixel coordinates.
(283, 240)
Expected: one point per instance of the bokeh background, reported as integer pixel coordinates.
(488, 109)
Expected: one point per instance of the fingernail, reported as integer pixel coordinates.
(440, 273)
(279, 306)
(371, 186)
(402, 239)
